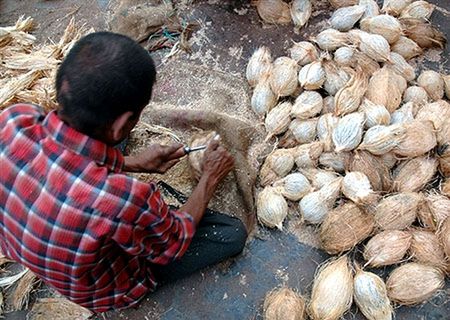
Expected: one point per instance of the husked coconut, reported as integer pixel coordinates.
(345, 227)
(444, 161)
(444, 236)
(356, 187)
(336, 77)
(277, 165)
(307, 105)
(374, 168)
(271, 207)
(413, 283)
(294, 186)
(370, 295)
(437, 112)
(348, 132)
(416, 95)
(331, 39)
(284, 304)
(325, 127)
(300, 132)
(304, 52)
(307, 155)
(397, 211)
(395, 7)
(274, 11)
(344, 56)
(259, 65)
(366, 63)
(375, 114)
(343, 19)
(387, 248)
(404, 115)
(433, 84)
(332, 290)
(312, 76)
(385, 25)
(418, 10)
(300, 12)
(375, 46)
(389, 159)
(278, 119)
(382, 139)
(434, 210)
(335, 161)
(318, 177)
(283, 76)
(371, 8)
(385, 88)
(407, 48)
(401, 67)
(263, 98)
(419, 138)
(426, 249)
(412, 175)
(348, 98)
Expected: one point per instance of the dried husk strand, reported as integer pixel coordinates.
(384, 25)
(348, 133)
(294, 186)
(356, 187)
(332, 290)
(373, 167)
(426, 249)
(418, 10)
(343, 19)
(395, 7)
(259, 65)
(380, 140)
(397, 211)
(407, 48)
(284, 304)
(263, 98)
(371, 297)
(345, 227)
(413, 283)
(274, 11)
(414, 174)
(277, 165)
(300, 12)
(387, 248)
(304, 52)
(272, 208)
(433, 84)
(349, 97)
(423, 33)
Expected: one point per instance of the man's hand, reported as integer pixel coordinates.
(155, 159)
(217, 163)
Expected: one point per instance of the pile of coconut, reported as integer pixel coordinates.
(362, 152)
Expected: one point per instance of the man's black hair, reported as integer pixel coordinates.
(104, 75)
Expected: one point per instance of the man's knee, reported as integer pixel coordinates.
(238, 235)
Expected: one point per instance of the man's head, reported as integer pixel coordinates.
(103, 84)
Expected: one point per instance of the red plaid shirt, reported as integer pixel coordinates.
(69, 214)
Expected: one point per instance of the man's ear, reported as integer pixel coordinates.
(119, 125)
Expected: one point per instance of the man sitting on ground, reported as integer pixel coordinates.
(69, 213)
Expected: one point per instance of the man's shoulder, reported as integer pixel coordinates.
(21, 111)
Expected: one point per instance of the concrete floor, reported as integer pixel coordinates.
(273, 258)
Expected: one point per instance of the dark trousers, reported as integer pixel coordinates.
(217, 238)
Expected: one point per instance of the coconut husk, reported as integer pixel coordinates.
(356, 187)
(444, 161)
(418, 140)
(284, 304)
(407, 48)
(345, 227)
(17, 35)
(332, 290)
(342, 3)
(22, 291)
(445, 188)
(423, 33)
(387, 248)
(274, 11)
(384, 89)
(398, 211)
(307, 155)
(373, 167)
(57, 309)
(371, 296)
(433, 211)
(277, 165)
(349, 97)
(335, 161)
(414, 174)
(413, 283)
(426, 249)
(444, 236)
(196, 158)
(437, 112)
(7, 282)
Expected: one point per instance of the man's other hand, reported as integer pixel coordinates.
(156, 158)
(217, 163)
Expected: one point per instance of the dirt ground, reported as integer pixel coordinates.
(226, 35)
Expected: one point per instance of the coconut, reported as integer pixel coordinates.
(342, 3)
(382, 139)
(284, 304)
(274, 11)
(404, 115)
(437, 112)
(345, 227)
(336, 77)
(307, 105)
(278, 119)
(300, 132)
(373, 167)
(433, 84)
(332, 290)
(318, 177)
(307, 155)
(328, 105)
(277, 165)
(385, 88)
(418, 140)
(315, 206)
(399, 65)
(384, 25)
(258, 66)
(294, 186)
(444, 162)
(303, 52)
(389, 159)
(416, 95)
(283, 77)
(375, 46)
(263, 98)
(300, 12)
(312, 76)
(343, 19)
(414, 174)
(367, 64)
(423, 33)
(398, 211)
(444, 236)
(434, 210)
(344, 56)
(348, 132)
(196, 158)
(395, 7)
(348, 98)
(445, 185)
(356, 187)
(330, 39)
(334, 161)
(426, 249)
(406, 47)
(325, 127)
(370, 295)
(375, 114)
(387, 248)
(271, 207)
(446, 79)
(418, 10)
(371, 8)
(413, 283)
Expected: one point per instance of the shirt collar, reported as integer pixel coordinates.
(82, 144)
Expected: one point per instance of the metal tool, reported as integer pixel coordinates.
(188, 150)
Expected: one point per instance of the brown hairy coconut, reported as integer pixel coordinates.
(398, 211)
(284, 304)
(444, 237)
(387, 247)
(373, 167)
(414, 174)
(433, 210)
(425, 248)
(413, 283)
(344, 227)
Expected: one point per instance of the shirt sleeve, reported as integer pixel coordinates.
(148, 227)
